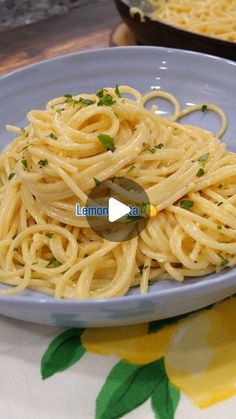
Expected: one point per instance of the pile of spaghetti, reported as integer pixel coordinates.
(77, 141)
(208, 17)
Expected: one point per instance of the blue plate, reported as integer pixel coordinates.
(193, 78)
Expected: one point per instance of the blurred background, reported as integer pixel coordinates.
(32, 30)
(16, 13)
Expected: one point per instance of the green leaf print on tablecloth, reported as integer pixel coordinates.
(128, 386)
(62, 353)
(165, 399)
(193, 354)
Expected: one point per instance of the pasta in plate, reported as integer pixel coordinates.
(53, 163)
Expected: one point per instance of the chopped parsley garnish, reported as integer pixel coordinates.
(59, 110)
(35, 263)
(116, 114)
(203, 157)
(82, 100)
(54, 263)
(142, 268)
(24, 148)
(224, 261)
(219, 227)
(42, 163)
(86, 102)
(156, 147)
(150, 283)
(97, 182)
(11, 176)
(106, 100)
(69, 97)
(219, 204)
(144, 144)
(131, 168)
(117, 91)
(49, 234)
(23, 130)
(204, 108)
(52, 136)
(200, 172)
(220, 186)
(100, 93)
(107, 142)
(24, 163)
(159, 146)
(186, 204)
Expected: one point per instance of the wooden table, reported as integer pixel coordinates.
(84, 28)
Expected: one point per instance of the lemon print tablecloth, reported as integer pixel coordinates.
(179, 368)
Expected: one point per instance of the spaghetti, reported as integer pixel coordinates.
(55, 161)
(207, 17)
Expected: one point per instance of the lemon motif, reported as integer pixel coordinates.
(199, 351)
(131, 343)
(200, 359)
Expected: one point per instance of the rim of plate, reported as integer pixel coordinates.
(168, 50)
(227, 275)
(185, 288)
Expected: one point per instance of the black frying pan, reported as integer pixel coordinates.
(154, 32)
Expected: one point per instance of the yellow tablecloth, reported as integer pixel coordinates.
(181, 368)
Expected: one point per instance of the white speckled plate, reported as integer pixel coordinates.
(193, 78)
